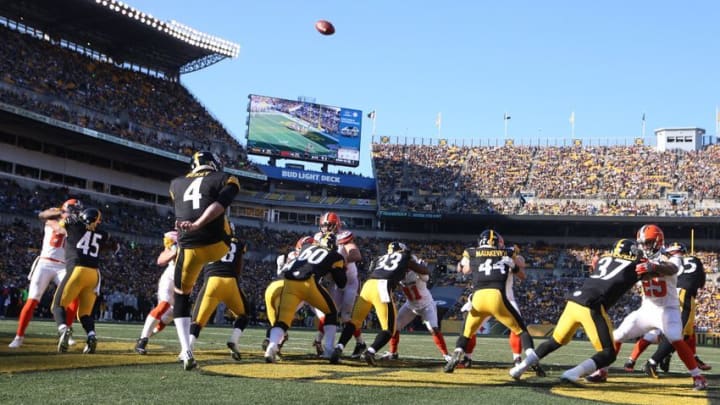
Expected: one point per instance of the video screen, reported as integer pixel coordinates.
(290, 129)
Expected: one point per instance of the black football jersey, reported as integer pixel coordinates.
(82, 246)
(490, 267)
(226, 267)
(612, 278)
(391, 267)
(191, 195)
(693, 275)
(317, 260)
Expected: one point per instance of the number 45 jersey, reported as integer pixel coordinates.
(613, 277)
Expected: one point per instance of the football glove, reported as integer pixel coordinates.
(644, 268)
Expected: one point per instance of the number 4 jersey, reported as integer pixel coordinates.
(613, 277)
(192, 194)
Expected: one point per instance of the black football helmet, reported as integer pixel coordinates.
(492, 239)
(396, 246)
(328, 241)
(677, 248)
(91, 217)
(626, 248)
(204, 160)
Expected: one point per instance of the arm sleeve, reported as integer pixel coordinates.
(229, 191)
(338, 273)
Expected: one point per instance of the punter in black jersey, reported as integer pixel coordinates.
(85, 240)
(302, 276)
(200, 199)
(587, 306)
(690, 280)
(377, 292)
(490, 265)
(222, 284)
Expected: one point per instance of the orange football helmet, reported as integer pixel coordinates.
(72, 206)
(651, 239)
(330, 222)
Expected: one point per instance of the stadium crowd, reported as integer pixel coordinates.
(45, 78)
(130, 276)
(573, 180)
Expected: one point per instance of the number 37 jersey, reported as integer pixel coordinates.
(612, 278)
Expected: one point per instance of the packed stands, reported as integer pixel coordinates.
(46, 78)
(573, 180)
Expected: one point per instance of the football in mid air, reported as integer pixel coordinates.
(325, 27)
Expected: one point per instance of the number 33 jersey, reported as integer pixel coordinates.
(391, 267)
(614, 275)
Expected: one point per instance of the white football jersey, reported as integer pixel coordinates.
(53, 246)
(661, 291)
(414, 286)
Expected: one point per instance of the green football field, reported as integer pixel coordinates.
(270, 131)
(35, 373)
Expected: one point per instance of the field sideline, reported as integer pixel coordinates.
(115, 374)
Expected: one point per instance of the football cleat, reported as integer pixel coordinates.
(599, 376)
(318, 347)
(368, 357)
(517, 360)
(188, 361)
(699, 383)
(63, 340)
(91, 345)
(465, 363)
(234, 353)
(569, 377)
(359, 349)
(391, 356)
(701, 365)
(141, 346)
(665, 363)
(335, 356)
(17, 342)
(629, 365)
(271, 353)
(651, 369)
(456, 358)
(539, 371)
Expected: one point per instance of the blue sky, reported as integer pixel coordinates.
(609, 62)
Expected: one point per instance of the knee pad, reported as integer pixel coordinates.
(181, 309)
(331, 319)
(241, 322)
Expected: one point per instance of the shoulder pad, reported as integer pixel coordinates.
(345, 237)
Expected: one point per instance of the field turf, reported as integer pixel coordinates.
(36, 374)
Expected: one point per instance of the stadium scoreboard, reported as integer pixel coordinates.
(305, 131)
